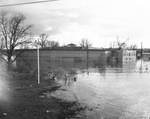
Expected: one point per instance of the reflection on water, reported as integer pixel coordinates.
(118, 91)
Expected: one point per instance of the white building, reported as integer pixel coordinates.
(129, 55)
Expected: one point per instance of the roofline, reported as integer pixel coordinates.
(74, 49)
(61, 49)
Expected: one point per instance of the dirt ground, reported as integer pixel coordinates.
(25, 100)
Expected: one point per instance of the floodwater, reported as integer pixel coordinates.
(114, 91)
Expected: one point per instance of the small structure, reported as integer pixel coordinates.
(129, 55)
(122, 55)
(146, 56)
(71, 45)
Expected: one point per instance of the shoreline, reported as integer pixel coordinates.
(70, 109)
(26, 101)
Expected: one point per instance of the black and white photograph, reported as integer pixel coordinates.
(74, 59)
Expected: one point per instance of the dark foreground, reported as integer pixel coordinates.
(26, 100)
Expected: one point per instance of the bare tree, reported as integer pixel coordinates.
(2, 46)
(85, 43)
(42, 41)
(133, 46)
(53, 44)
(121, 45)
(112, 44)
(14, 33)
(28, 45)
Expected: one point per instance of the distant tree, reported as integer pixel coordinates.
(119, 44)
(133, 47)
(53, 44)
(14, 33)
(85, 43)
(112, 44)
(122, 44)
(64, 45)
(27, 46)
(44, 41)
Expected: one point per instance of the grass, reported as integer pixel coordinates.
(25, 100)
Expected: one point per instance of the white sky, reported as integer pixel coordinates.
(100, 21)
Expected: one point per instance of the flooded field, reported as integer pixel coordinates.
(112, 91)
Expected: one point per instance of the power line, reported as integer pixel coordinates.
(25, 3)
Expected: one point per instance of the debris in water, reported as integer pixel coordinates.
(47, 111)
(5, 114)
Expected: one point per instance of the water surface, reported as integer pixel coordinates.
(119, 91)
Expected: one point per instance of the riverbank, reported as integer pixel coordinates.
(25, 100)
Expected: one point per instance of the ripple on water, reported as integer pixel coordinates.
(117, 93)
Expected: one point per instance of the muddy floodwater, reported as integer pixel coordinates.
(112, 91)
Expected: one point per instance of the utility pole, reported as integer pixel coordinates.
(141, 55)
(38, 64)
(141, 50)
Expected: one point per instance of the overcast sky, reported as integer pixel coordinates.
(100, 21)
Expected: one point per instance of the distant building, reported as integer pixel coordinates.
(122, 55)
(146, 56)
(129, 55)
(59, 55)
(71, 45)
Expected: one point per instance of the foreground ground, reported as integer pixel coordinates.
(25, 99)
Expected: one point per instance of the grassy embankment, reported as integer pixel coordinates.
(25, 100)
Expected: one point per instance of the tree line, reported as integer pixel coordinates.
(15, 34)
